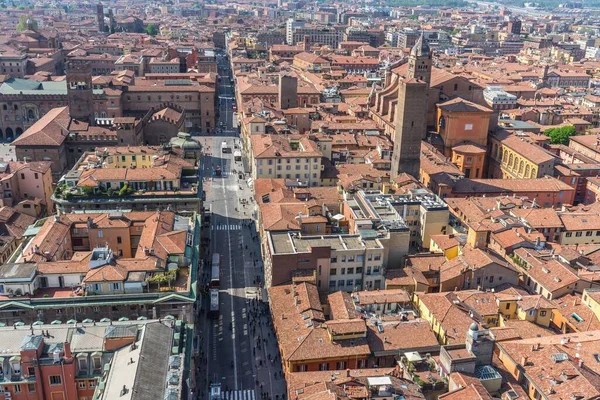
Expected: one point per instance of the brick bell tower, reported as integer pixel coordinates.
(411, 112)
(79, 91)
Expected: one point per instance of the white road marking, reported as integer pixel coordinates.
(239, 395)
(234, 351)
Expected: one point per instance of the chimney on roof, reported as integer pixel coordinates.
(574, 301)
(67, 350)
(524, 360)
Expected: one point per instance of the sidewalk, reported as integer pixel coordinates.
(271, 384)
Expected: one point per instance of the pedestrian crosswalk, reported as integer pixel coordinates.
(227, 173)
(238, 395)
(226, 227)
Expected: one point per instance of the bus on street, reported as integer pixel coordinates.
(215, 271)
(213, 311)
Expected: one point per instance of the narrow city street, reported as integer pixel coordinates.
(239, 346)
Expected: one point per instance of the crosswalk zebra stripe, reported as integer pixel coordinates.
(239, 395)
(226, 227)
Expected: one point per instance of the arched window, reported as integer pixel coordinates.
(504, 156)
(4, 107)
(533, 173)
(30, 114)
(510, 160)
(527, 170)
(521, 167)
(9, 133)
(16, 107)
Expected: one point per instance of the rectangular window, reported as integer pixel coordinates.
(332, 284)
(543, 313)
(323, 367)
(343, 271)
(97, 363)
(91, 384)
(82, 364)
(341, 283)
(588, 233)
(35, 175)
(343, 258)
(31, 371)
(349, 283)
(569, 234)
(333, 259)
(578, 234)
(55, 379)
(17, 388)
(507, 306)
(115, 285)
(350, 271)
(81, 384)
(333, 271)
(31, 387)
(359, 270)
(119, 240)
(100, 234)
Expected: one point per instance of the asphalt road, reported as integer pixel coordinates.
(234, 357)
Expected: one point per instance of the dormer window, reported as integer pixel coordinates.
(97, 361)
(82, 362)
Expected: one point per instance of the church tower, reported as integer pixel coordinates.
(419, 61)
(411, 112)
(79, 91)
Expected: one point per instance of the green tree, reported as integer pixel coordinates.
(561, 134)
(22, 25)
(87, 190)
(151, 29)
(125, 191)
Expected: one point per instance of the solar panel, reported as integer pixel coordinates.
(558, 357)
(178, 82)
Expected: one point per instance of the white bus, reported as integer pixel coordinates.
(213, 311)
(215, 391)
(225, 148)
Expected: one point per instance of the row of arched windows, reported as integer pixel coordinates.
(516, 164)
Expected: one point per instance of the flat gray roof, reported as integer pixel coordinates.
(17, 272)
(292, 242)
